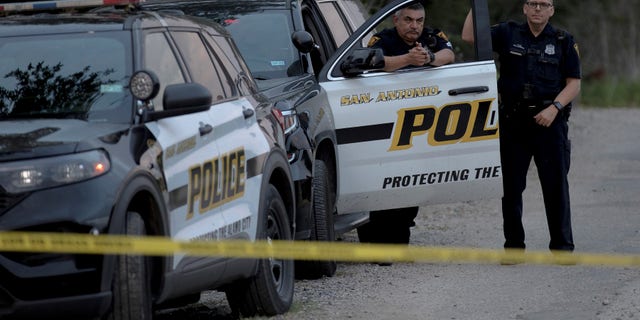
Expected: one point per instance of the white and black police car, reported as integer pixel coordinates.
(274, 39)
(115, 120)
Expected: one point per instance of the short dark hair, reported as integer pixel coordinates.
(414, 6)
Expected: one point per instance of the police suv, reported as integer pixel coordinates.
(115, 120)
(285, 44)
(367, 147)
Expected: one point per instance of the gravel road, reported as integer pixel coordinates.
(605, 191)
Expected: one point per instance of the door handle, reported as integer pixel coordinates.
(247, 113)
(205, 128)
(478, 89)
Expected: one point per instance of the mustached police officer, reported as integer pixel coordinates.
(539, 78)
(410, 44)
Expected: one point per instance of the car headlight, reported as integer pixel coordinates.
(36, 174)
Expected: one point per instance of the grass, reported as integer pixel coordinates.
(610, 93)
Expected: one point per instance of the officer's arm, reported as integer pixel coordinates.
(443, 57)
(467, 28)
(417, 56)
(570, 91)
(393, 63)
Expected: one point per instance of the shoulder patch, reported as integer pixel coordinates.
(373, 41)
(442, 35)
(575, 47)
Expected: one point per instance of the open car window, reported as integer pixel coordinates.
(437, 16)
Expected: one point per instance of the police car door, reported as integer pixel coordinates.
(189, 154)
(223, 195)
(416, 137)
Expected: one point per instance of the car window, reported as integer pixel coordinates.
(199, 63)
(81, 76)
(264, 39)
(262, 36)
(159, 58)
(334, 17)
(235, 69)
(342, 17)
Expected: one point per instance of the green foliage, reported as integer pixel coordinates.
(610, 93)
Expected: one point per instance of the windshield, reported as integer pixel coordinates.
(263, 37)
(65, 76)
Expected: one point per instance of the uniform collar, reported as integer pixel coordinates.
(549, 30)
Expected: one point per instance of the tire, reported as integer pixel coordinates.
(323, 228)
(388, 226)
(132, 279)
(270, 291)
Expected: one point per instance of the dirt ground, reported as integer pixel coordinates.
(605, 197)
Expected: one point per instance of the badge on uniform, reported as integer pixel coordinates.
(550, 49)
(373, 41)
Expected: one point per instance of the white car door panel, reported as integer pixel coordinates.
(192, 213)
(241, 143)
(414, 137)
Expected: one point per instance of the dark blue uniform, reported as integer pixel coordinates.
(392, 45)
(533, 71)
(396, 229)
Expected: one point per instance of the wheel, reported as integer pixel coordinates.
(388, 226)
(270, 291)
(323, 228)
(132, 279)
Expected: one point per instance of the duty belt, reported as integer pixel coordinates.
(530, 108)
(533, 105)
(525, 107)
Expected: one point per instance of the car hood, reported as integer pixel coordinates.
(22, 139)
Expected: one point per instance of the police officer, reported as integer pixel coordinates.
(410, 43)
(539, 77)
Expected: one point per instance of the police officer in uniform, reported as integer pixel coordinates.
(539, 78)
(410, 44)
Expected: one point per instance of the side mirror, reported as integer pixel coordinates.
(303, 41)
(179, 99)
(186, 95)
(361, 60)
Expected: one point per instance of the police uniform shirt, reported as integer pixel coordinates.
(545, 61)
(392, 45)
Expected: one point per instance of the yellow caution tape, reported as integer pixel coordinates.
(296, 250)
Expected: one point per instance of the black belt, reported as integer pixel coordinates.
(525, 106)
(530, 107)
(534, 105)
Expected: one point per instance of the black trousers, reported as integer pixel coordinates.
(521, 139)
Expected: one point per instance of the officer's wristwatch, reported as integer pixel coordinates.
(558, 105)
(432, 56)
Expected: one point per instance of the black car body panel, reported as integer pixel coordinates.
(65, 103)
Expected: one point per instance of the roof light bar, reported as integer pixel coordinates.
(50, 5)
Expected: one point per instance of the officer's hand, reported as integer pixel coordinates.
(417, 56)
(546, 116)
